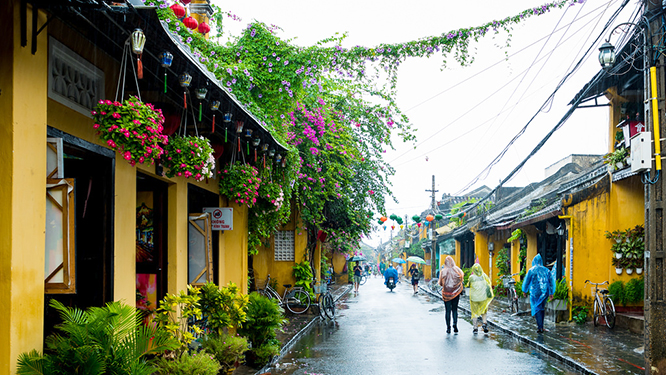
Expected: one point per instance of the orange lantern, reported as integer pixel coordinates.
(383, 218)
(430, 218)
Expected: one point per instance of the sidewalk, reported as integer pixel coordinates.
(583, 348)
(297, 326)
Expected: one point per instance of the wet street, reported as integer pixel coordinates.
(382, 332)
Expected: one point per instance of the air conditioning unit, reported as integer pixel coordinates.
(641, 152)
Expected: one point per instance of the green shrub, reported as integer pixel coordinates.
(466, 273)
(579, 314)
(227, 349)
(304, 276)
(561, 290)
(634, 290)
(264, 319)
(519, 289)
(617, 293)
(200, 363)
(266, 351)
(500, 290)
(503, 262)
(100, 340)
(222, 307)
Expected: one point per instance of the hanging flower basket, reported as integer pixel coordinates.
(240, 183)
(132, 127)
(189, 157)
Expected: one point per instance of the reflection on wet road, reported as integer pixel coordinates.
(382, 332)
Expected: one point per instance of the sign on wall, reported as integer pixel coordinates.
(222, 217)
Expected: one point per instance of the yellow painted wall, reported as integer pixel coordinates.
(22, 188)
(621, 208)
(264, 262)
(481, 250)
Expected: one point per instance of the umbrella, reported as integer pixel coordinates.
(357, 258)
(398, 260)
(415, 259)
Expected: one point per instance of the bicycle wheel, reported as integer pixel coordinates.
(513, 300)
(265, 293)
(610, 312)
(329, 306)
(597, 312)
(298, 301)
(320, 306)
(364, 278)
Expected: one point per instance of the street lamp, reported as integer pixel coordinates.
(491, 247)
(607, 55)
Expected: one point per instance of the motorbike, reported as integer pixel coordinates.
(390, 283)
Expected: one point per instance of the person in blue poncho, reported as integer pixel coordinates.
(539, 284)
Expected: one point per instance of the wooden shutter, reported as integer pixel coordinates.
(199, 249)
(59, 269)
(54, 154)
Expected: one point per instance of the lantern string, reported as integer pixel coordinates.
(122, 77)
(213, 131)
(165, 80)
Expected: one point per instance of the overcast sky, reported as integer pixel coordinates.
(465, 116)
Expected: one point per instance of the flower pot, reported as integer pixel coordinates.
(618, 271)
(629, 271)
(619, 165)
(618, 255)
(639, 271)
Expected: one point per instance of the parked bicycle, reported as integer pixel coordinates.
(434, 286)
(325, 301)
(296, 299)
(603, 305)
(512, 296)
(364, 278)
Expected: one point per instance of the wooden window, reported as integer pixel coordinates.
(199, 249)
(59, 267)
(284, 246)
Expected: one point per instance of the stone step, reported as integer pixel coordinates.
(631, 321)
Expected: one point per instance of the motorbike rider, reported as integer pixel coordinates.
(390, 272)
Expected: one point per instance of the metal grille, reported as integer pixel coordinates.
(284, 246)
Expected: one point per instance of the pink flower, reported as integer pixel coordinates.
(127, 155)
(116, 115)
(96, 126)
(141, 159)
(178, 151)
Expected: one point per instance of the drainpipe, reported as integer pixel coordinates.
(570, 243)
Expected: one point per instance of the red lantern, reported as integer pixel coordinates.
(321, 236)
(178, 10)
(430, 218)
(418, 224)
(185, 1)
(204, 28)
(190, 23)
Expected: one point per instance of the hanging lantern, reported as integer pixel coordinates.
(416, 218)
(227, 117)
(218, 149)
(284, 162)
(418, 225)
(430, 218)
(264, 147)
(384, 227)
(271, 153)
(256, 142)
(185, 1)
(201, 95)
(438, 217)
(204, 28)
(383, 219)
(214, 106)
(401, 226)
(190, 23)
(278, 158)
(392, 227)
(239, 127)
(138, 39)
(184, 80)
(248, 133)
(178, 10)
(166, 58)
(426, 223)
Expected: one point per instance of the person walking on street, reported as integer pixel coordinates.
(382, 268)
(480, 296)
(414, 273)
(539, 283)
(451, 280)
(357, 277)
(399, 269)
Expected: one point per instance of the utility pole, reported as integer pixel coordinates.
(655, 232)
(432, 230)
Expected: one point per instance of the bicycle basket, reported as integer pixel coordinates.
(320, 288)
(508, 281)
(260, 284)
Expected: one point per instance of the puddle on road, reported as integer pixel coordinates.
(437, 309)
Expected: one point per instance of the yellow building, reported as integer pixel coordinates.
(113, 231)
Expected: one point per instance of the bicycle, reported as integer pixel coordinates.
(296, 299)
(512, 296)
(434, 286)
(325, 301)
(603, 305)
(364, 278)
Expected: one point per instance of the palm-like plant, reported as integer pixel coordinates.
(100, 340)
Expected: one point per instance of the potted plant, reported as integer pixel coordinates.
(189, 157)
(628, 265)
(132, 128)
(240, 183)
(615, 159)
(638, 265)
(264, 319)
(228, 350)
(618, 263)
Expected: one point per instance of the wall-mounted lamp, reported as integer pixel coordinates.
(560, 230)
(491, 248)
